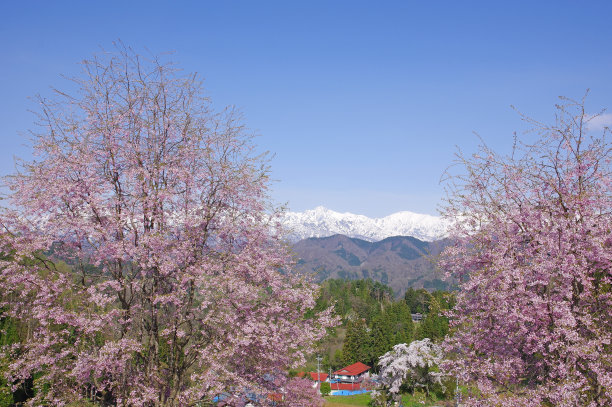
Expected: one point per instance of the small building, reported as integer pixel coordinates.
(347, 389)
(315, 377)
(351, 374)
(417, 317)
(346, 386)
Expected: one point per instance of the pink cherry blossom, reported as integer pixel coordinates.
(146, 260)
(532, 325)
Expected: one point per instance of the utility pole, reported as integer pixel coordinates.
(457, 392)
(319, 369)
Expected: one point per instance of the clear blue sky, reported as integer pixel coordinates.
(363, 103)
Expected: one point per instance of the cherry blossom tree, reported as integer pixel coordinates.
(408, 367)
(534, 248)
(145, 259)
(301, 393)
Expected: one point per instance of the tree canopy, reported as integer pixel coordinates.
(534, 251)
(172, 290)
(407, 367)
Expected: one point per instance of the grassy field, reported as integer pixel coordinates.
(364, 399)
(341, 401)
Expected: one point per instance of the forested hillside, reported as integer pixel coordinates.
(373, 321)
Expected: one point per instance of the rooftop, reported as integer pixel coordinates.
(353, 370)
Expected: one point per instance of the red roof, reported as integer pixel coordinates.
(346, 386)
(318, 376)
(353, 370)
(314, 375)
(275, 396)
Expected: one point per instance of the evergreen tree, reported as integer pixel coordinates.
(337, 360)
(402, 325)
(382, 337)
(417, 300)
(356, 344)
(325, 389)
(434, 325)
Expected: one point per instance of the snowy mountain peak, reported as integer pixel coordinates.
(322, 222)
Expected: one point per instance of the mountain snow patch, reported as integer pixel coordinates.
(323, 222)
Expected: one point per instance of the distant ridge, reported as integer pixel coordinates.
(323, 222)
(400, 261)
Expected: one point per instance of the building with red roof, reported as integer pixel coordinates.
(346, 386)
(320, 377)
(276, 397)
(352, 373)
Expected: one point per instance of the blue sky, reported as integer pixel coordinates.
(362, 103)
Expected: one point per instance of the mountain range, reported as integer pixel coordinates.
(397, 250)
(400, 261)
(323, 222)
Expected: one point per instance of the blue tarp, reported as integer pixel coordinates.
(348, 392)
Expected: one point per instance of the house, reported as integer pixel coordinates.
(347, 389)
(351, 374)
(345, 386)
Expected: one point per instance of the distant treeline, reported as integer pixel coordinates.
(373, 321)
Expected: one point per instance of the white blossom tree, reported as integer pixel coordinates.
(409, 367)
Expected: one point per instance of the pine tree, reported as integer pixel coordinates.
(356, 344)
(417, 300)
(403, 328)
(382, 337)
(434, 325)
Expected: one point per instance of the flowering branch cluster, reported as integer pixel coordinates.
(144, 260)
(534, 251)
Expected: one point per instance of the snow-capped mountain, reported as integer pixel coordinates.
(322, 222)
